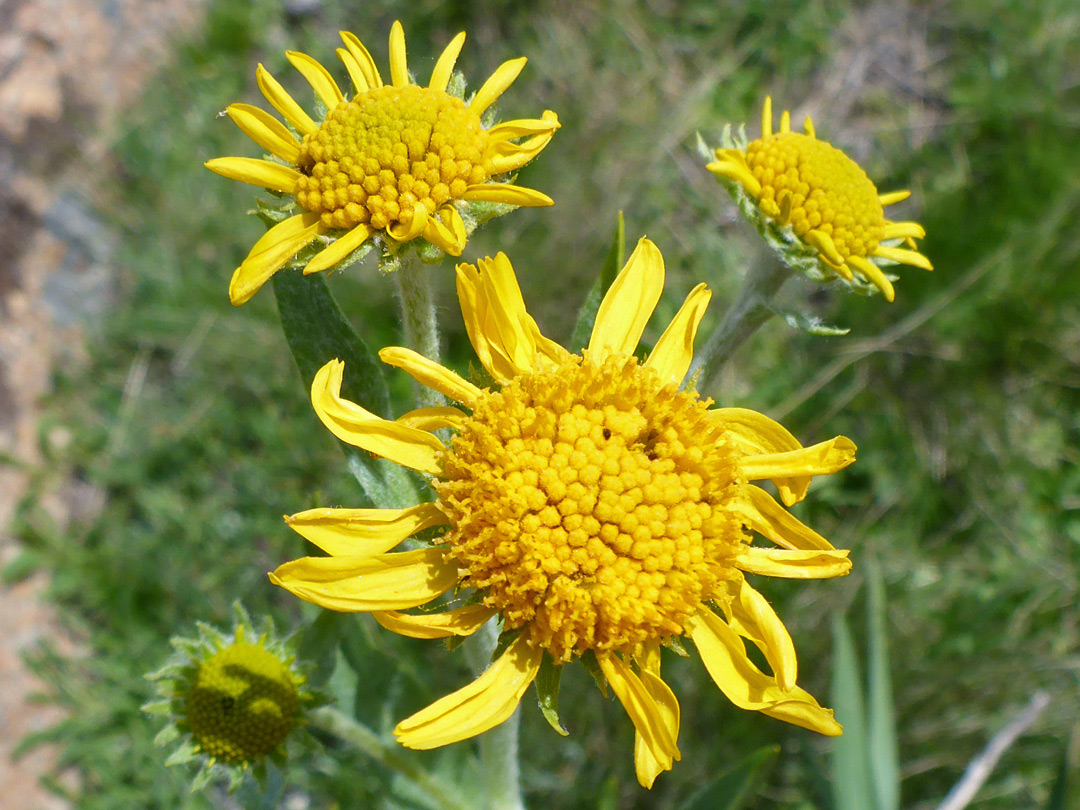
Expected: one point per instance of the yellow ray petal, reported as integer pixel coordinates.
(338, 250)
(769, 207)
(653, 710)
(874, 275)
(825, 246)
(401, 232)
(674, 350)
(808, 128)
(446, 231)
(463, 621)
(524, 127)
(628, 303)
(444, 68)
(496, 85)
(806, 714)
(506, 338)
(382, 582)
(363, 532)
(822, 458)
(753, 433)
(911, 257)
(504, 156)
(258, 172)
(785, 121)
(360, 82)
(646, 764)
(737, 172)
(265, 130)
(508, 326)
(482, 331)
(272, 252)
(506, 193)
(432, 419)
(893, 197)
(363, 59)
(766, 118)
(752, 617)
(768, 518)
(399, 68)
(843, 271)
(431, 374)
(482, 705)
(283, 102)
(724, 656)
(649, 657)
(318, 77)
(904, 230)
(734, 155)
(354, 425)
(788, 564)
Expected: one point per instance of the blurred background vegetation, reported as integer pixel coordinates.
(963, 395)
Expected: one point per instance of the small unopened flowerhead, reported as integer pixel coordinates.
(588, 501)
(242, 703)
(811, 201)
(394, 163)
(234, 698)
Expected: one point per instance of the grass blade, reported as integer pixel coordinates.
(881, 718)
(850, 775)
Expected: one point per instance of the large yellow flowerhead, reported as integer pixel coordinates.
(589, 503)
(393, 163)
(810, 199)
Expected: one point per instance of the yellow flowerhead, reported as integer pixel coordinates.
(395, 162)
(236, 698)
(818, 199)
(590, 504)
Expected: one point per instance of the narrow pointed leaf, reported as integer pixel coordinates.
(810, 324)
(547, 693)
(318, 332)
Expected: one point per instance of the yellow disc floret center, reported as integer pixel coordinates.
(592, 503)
(243, 702)
(827, 191)
(376, 157)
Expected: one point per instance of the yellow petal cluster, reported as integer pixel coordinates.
(395, 161)
(590, 504)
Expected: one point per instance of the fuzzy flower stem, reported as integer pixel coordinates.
(498, 747)
(417, 300)
(747, 312)
(386, 754)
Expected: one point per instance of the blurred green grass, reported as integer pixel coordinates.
(192, 422)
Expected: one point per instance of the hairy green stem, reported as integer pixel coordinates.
(744, 316)
(418, 316)
(389, 755)
(498, 747)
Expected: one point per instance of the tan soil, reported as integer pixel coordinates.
(67, 68)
